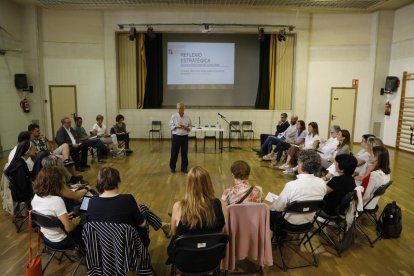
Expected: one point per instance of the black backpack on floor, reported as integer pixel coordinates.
(390, 221)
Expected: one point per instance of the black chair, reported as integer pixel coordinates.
(247, 128)
(156, 127)
(193, 137)
(45, 221)
(372, 214)
(21, 206)
(198, 254)
(208, 136)
(339, 224)
(301, 231)
(234, 127)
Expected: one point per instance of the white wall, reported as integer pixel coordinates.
(402, 59)
(73, 55)
(12, 118)
(340, 50)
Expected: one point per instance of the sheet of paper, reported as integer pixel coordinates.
(271, 197)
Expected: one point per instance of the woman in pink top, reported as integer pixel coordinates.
(242, 191)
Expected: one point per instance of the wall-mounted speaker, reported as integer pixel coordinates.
(20, 81)
(391, 84)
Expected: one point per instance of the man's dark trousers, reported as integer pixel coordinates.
(179, 142)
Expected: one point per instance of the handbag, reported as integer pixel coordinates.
(34, 267)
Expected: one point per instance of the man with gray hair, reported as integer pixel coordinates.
(306, 187)
(180, 126)
(328, 147)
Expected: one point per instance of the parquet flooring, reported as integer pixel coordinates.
(145, 174)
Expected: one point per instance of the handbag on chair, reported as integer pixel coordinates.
(34, 267)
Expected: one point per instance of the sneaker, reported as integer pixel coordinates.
(289, 171)
(166, 228)
(128, 151)
(284, 167)
(68, 163)
(268, 157)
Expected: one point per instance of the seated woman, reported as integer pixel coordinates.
(344, 138)
(199, 212)
(71, 198)
(48, 201)
(121, 133)
(379, 176)
(242, 191)
(19, 174)
(339, 186)
(371, 143)
(99, 130)
(311, 142)
(111, 206)
(281, 146)
(328, 147)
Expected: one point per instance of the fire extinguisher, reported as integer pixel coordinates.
(387, 108)
(24, 104)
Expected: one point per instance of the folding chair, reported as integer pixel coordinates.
(20, 205)
(156, 127)
(234, 127)
(45, 221)
(372, 214)
(247, 128)
(338, 219)
(198, 254)
(297, 207)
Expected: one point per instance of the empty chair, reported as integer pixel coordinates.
(156, 127)
(247, 129)
(234, 127)
(45, 221)
(198, 254)
(282, 229)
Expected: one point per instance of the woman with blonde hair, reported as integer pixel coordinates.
(200, 211)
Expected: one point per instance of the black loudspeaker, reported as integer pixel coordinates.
(391, 84)
(20, 81)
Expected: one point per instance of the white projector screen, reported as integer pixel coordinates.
(200, 63)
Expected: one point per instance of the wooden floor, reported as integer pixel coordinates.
(145, 174)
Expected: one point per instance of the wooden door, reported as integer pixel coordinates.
(62, 104)
(342, 112)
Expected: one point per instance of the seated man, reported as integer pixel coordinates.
(339, 186)
(42, 144)
(100, 131)
(121, 133)
(306, 187)
(281, 126)
(288, 134)
(102, 150)
(66, 134)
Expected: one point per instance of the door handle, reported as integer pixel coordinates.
(333, 117)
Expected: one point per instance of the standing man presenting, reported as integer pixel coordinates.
(180, 125)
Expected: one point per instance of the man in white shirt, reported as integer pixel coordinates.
(306, 187)
(180, 126)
